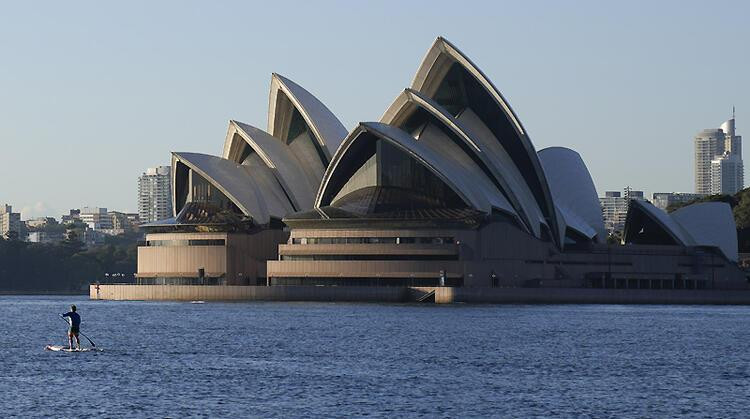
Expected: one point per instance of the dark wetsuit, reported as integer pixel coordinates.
(75, 322)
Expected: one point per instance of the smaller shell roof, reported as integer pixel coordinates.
(327, 129)
(279, 158)
(667, 223)
(252, 195)
(573, 191)
(710, 224)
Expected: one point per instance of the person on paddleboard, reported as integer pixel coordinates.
(75, 324)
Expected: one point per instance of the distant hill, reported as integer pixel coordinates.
(740, 203)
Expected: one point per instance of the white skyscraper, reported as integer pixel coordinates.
(709, 144)
(718, 160)
(155, 194)
(727, 175)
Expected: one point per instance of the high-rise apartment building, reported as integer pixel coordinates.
(615, 207)
(718, 160)
(709, 143)
(154, 194)
(727, 174)
(9, 221)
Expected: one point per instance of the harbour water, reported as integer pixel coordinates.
(333, 359)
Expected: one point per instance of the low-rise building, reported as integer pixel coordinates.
(96, 218)
(134, 219)
(40, 222)
(72, 216)
(123, 222)
(45, 237)
(615, 207)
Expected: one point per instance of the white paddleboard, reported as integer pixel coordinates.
(60, 348)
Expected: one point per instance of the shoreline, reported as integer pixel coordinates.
(430, 295)
(36, 293)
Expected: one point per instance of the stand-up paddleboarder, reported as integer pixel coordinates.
(74, 320)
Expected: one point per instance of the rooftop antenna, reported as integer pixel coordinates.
(732, 111)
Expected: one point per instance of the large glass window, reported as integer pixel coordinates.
(204, 192)
(182, 186)
(401, 171)
(373, 240)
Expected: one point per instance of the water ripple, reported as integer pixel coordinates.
(340, 360)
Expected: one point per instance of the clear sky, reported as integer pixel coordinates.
(93, 93)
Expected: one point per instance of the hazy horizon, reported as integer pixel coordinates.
(95, 93)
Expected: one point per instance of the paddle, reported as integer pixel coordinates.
(80, 333)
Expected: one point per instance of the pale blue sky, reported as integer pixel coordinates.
(92, 93)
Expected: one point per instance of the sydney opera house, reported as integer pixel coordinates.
(446, 189)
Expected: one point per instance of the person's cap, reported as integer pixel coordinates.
(73, 307)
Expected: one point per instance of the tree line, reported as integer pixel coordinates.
(66, 266)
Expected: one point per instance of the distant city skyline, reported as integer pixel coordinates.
(90, 103)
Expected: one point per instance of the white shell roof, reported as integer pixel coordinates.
(433, 69)
(664, 220)
(410, 99)
(442, 166)
(436, 63)
(256, 196)
(326, 128)
(440, 144)
(710, 224)
(573, 191)
(701, 224)
(575, 222)
(299, 186)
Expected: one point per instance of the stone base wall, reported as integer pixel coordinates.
(246, 293)
(442, 295)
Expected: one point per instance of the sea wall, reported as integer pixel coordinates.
(442, 295)
(247, 293)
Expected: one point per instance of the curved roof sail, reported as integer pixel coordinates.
(484, 150)
(433, 126)
(243, 140)
(573, 191)
(254, 194)
(710, 224)
(440, 165)
(647, 224)
(452, 80)
(293, 110)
